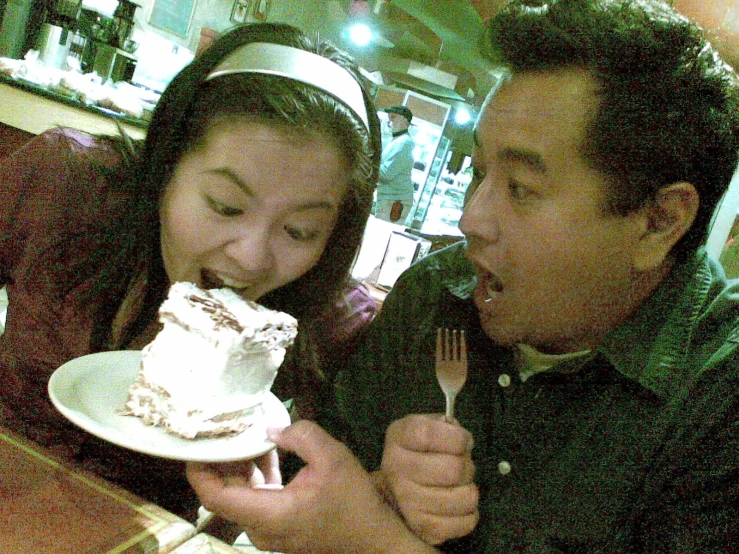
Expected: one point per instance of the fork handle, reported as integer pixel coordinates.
(449, 415)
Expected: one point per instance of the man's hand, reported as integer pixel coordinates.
(263, 472)
(330, 506)
(427, 474)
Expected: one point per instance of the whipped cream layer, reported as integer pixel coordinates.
(207, 371)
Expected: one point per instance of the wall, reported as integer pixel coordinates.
(310, 15)
(721, 19)
(15, 19)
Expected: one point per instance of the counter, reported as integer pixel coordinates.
(34, 110)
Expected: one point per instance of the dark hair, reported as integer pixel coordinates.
(183, 116)
(190, 104)
(668, 104)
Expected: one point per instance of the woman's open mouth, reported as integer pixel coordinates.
(217, 280)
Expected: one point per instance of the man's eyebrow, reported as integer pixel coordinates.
(235, 179)
(523, 156)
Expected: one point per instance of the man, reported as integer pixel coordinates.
(395, 187)
(600, 411)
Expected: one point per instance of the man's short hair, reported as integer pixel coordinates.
(668, 107)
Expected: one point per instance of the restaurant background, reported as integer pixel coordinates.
(424, 56)
(419, 53)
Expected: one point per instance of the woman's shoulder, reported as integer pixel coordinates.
(60, 176)
(350, 314)
(96, 149)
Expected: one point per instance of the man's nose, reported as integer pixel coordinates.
(479, 218)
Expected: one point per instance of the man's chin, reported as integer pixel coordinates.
(498, 332)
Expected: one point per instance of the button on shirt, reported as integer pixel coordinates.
(632, 448)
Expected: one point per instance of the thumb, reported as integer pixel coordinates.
(309, 441)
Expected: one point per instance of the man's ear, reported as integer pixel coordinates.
(665, 221)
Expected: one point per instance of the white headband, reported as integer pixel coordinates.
(297, 64)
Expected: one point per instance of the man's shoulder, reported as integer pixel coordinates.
(447, 269)
(450, 258)
(688, 328)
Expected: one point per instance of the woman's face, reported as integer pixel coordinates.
(252, 208)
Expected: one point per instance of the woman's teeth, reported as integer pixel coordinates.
(233, 283)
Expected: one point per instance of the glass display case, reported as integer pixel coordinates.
(440, 204)
(427, 187)
(446, 204)
(439, 192)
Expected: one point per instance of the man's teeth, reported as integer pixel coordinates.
(234, 284)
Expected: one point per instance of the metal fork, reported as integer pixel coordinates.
(451, 366)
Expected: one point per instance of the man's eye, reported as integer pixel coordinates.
(301, 235)
(223, 209)
(518, 191)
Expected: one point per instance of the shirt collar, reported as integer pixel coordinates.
(651, 347)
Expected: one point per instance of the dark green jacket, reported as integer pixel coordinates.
(634, 449)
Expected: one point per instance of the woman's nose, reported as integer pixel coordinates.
(251, 251)
(479, 218)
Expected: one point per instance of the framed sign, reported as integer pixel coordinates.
(402, 250)
(172, 15)
(240, 11)
(261, 9)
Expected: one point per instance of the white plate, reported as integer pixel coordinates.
(91, 389)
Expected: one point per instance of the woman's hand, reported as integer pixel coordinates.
(427, 474)
(330, 506)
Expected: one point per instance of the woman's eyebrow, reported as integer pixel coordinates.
(231, 176)
(235, 179)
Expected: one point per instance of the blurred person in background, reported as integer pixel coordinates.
(395, 186)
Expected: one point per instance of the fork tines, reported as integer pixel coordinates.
(451, 366)
(454, 350)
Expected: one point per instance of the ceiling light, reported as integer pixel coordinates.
(462, 116)
(360, 34)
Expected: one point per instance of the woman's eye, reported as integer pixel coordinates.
(301, 235)
(223, 209)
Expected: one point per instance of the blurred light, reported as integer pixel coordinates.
(360, 34)
(462, 116)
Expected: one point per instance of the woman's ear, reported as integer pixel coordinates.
(665, 220)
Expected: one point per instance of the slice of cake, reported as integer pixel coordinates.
(207, 371)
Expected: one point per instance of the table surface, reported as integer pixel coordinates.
(48, 506)
(203, 543)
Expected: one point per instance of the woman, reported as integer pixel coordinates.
(257, 174)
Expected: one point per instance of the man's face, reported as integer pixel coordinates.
(397, 122)
(554, 270)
